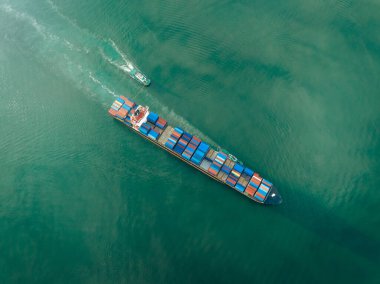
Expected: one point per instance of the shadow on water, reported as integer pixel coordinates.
(331, 227)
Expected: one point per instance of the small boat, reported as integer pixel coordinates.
(135, 74)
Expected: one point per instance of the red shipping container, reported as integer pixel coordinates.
(231, 180)
(267, 184)
(112, 112)
(161, 121)
(260, 195)
(182, 141)
(256, 180)
(249, 191)
(129, 103)
(197, 139)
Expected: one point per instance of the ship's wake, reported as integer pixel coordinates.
(112, 54)
(84, 59)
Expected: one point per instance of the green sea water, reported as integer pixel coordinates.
(290, 87)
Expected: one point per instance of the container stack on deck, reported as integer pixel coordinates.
(191, 147)
(217, 163)
(145, 128)
(174, 137)
(234, 175)
(161, 123)
(182, 143)
(244, 179)
(263, 190)
(121, 108)
(192, 150)
(200, 153)
(153, 126)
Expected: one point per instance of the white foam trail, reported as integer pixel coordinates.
(102, 85)
(126, 61)
(37, 26)
(169, 114)
(25, 17)
(68, 66)
(110, 61)
(119, 51)
(57, 10)
(72, 23)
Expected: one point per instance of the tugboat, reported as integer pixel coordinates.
(135, 74)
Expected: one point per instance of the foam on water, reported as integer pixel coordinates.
(104, 87)
(25, 17)
(290, 86)
(83, 74)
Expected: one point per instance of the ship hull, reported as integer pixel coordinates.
(272, 196)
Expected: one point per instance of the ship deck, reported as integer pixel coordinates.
(272, 196)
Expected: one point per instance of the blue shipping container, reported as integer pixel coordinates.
(120, 100)
(249, 172)
(239, 187)
(203, 147)
(259, 198)
(238, 168)
(152, 117)
(179, 130)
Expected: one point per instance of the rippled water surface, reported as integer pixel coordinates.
(290, 87)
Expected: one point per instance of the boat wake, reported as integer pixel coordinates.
(125, 65)
(112, 54)
(74, 54)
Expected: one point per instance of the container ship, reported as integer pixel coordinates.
(217, 164)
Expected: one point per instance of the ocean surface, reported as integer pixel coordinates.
(290, 87)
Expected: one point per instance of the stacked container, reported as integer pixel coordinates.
(161, 123)
(234, 175)
(122, 113)
(152, 118)
(253, 184)
(263, 190)
(191, 147)
(200, 153)
(145, 128)
(128, 103)
(226, 169)
(112, 111)
(118, 110)
(267, 183)
(182, 143)
(117, 104)
(172, 140)
(248, 172)
(244, 180)
(153, 134)
(217, 163)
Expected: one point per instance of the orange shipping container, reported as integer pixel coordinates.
(112, 112)
(260, 195)
(250, 191)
